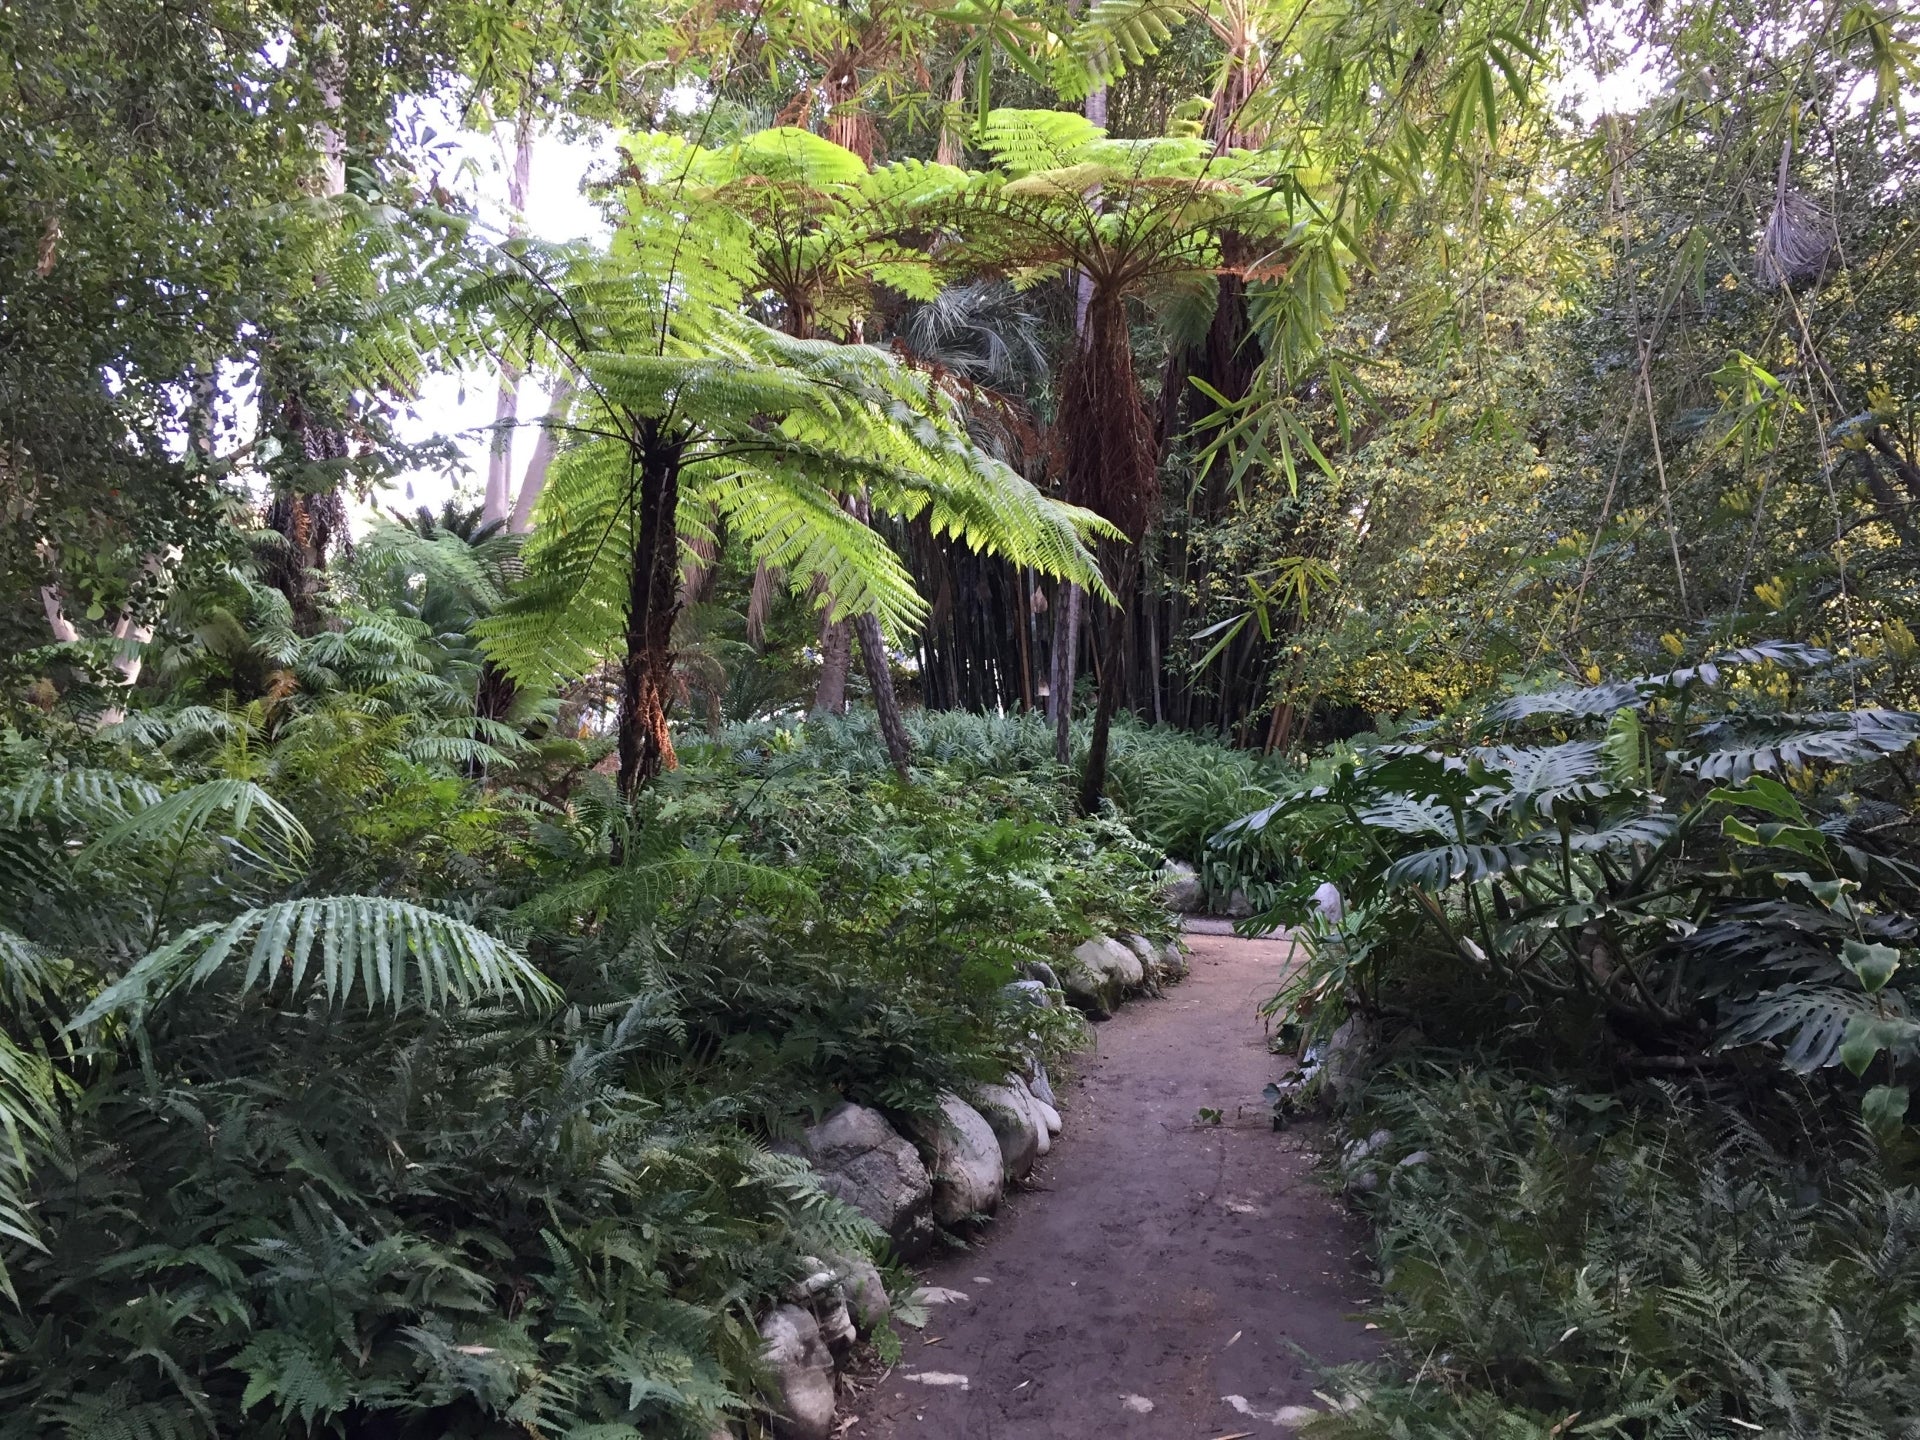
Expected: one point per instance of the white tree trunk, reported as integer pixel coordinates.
(62, 627)
(543, 452)
(506, 407)
(330, 74)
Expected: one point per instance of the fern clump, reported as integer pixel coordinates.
(1630, 955)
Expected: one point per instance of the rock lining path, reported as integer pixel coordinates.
(1158, 1273)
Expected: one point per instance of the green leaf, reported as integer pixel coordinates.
(1873, 964)
(1761, 793)
(1868, 1035)
(1884, 1108)
(1830, 893)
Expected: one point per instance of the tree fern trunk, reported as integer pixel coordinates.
(645, 745)
(836, 661)
(886, 704)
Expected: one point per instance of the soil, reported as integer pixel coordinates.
(1162, 1275)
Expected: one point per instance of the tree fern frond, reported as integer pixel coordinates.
(364, 943)
(77, 793)
(190, 813)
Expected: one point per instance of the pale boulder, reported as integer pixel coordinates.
(967, 1169)
(865, 1291)
(800, 1369)
(1173, 959)
(1008, 1110)
(864, 1161)
(1147, 953)
(1101, 973)
(1180, 887)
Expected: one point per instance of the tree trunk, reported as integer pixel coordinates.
(506, 407)
(544, 449)
(645, 746)
(952, 148)
(1113, 679)
(836, 660)
(1066, 655)
(893, 728)
(873, 653)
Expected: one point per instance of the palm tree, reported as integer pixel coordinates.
(815, 220)
(1137, 220)
(681, 398)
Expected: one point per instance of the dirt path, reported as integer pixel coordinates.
(1156, 1278)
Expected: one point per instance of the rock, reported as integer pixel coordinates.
(1146, 953)
(1128, 966)
(1043, 972)
(1180, 887)
(1039, 1085)
(967, 1168)
(1100, 974)
(1090, 992)
(1010, 1114)
(1048, 1116)
(865, 1291)
(801, 1370)
(1327, 900)
(1360, 1150)
(1343, 1060)
(865, 1162)
(1032, 992)
(1418, 1157)
(1173, 959)
(818, 1278)
(1239, 907)
(1088, 983)
(1046, 1119)
(836, 1328)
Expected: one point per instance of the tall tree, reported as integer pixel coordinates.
(1137, 221)
(681, 399)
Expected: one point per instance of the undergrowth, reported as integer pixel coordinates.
(1559, 1260)
(1629, 960)
(352, 1093)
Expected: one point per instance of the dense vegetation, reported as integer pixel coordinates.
(1465, 455)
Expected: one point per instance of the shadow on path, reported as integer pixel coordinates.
(1157, 1275)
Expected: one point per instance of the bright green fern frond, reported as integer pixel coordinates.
(1027, 141)
(801, 529)
(341, 943)
(190, 813)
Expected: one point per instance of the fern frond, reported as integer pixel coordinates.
(349, 943)
(188, 814)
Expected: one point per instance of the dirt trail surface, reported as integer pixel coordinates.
(1157, 1277)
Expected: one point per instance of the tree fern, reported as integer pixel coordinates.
(364, 943)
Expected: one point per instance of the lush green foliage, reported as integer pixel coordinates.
(371, 1062)
(1664, 1264)
(486, 1148)
(1644, 884)
(1631, 955)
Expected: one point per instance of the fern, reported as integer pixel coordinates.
(364, 943)
(188, 814)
